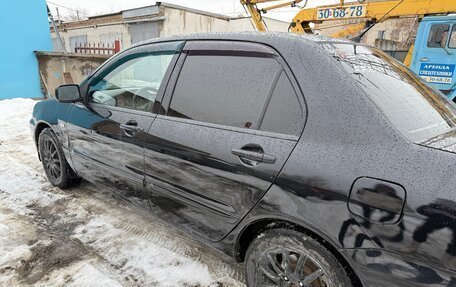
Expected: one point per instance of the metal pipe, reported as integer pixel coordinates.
(56, 31)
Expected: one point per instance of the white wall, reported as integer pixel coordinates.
(245, 24)
(180, 22)
(97, 34)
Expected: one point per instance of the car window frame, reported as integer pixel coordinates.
(452, 30)
(114, 62)
(232, 46)
(430, 35)
(303, 107)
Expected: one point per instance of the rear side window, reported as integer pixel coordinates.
(438, 36)
(284, 113)
(224, 89)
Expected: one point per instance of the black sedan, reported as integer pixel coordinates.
(316, 162)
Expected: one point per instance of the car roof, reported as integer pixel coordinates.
(271, 38)
(440, 18)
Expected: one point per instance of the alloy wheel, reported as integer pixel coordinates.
(290, 268)
(51, 160)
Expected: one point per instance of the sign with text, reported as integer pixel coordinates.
(437, 73)
(352, 11)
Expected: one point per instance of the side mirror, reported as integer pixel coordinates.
(68, 93)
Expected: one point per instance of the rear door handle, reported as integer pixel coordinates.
(255, 156)
(267, 158)
(252, 155)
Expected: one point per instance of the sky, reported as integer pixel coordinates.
(228, 7)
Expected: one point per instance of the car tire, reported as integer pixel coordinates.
(304, 253)
(55, 165)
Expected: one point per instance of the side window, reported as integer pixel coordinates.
(438, 36)
(284, 113)
(452, 43)
(224, 89)
(133, 83)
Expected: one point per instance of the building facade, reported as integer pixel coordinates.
(160, 20)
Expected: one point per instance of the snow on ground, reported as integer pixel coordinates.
(86, 236)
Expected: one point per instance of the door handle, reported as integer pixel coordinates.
(255, 156)
(130, 127)
(252, 155)
(425, 59)
(267, 158)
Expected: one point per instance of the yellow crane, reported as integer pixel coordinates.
(362, 9)
(434, 58)
(256, 13)
(368, 12)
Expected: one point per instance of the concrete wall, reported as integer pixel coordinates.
(178, 22)
(24, 28)
(53, 65)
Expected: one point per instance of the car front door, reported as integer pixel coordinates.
(231, 118)
(106, 132)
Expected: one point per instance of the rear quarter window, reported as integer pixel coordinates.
(284, 113)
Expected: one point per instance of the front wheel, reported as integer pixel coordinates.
(287, 258)
(55, 166)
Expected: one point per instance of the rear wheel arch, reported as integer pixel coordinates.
(256, 228)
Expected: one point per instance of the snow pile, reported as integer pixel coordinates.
(86, 236)
(142, 258)
(15, 115)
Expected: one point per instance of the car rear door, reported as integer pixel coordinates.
(230, 118)
(106, 132)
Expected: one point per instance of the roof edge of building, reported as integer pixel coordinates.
(167, 5)
(196, 11)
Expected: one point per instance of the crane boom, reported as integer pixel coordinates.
(374, 11)
(256, 13)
